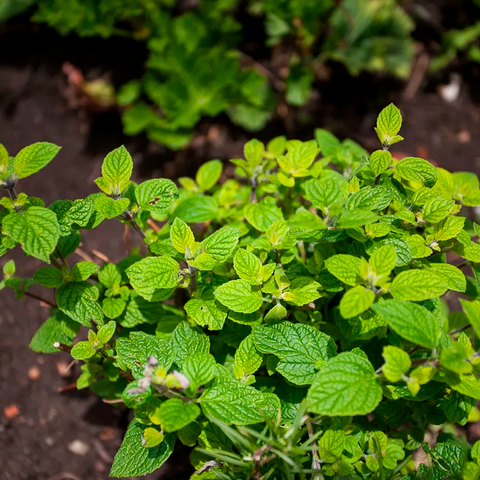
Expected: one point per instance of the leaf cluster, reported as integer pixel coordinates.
(290, 321)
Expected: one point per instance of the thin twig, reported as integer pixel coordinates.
(100, 255)
(65, 388)
(131, 220)
(315, 460)
(419, 70)
(192, 287)
(153, 225)
(127, 239)
(55, 262)
(64, 476)
(461, 329)
(83, 254)
(40, 299)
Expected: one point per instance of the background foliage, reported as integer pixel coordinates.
(199, 63)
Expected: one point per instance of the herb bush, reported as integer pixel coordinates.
(291, 323)
(197, 65)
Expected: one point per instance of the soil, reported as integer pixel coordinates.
(38, 423)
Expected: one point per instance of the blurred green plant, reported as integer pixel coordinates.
(196, 67)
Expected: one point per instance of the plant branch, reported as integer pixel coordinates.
(316, 465)
(134, 224)
(40, 299)
(461, 329)
(192, 287)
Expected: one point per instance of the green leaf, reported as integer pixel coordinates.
(247, 359)
(418, 285)
(109, 275)
(37, 229)
(182, 237)
(379, 161)
(262, 215)
(49, 277)
(402, 249)
(417, 170)
(331, 445)
(356, 218)
(239, 296)
(4, 159)
(221, 244)
(302, 290)
(187, 341)
(389, 123)
(328, 142)
(233, 402)
(82, 351)
(449, 228)
(301, 349)
(208, 174)
(197, 209)
(113, 307)
(457, 408)
(83, 270)
(152, 437)
(199, 368)
(418, 247)
(370, 198)
(174, 414)
(134, 351)
(57, 329)
(247, 266)
(472, 310)
(156, 195)
(278, 312)
(117, 169)
(134, 460)
(345, 267)
(152, 275)
(110, 208)
(253, 152)
(436, 209)
(78, 301)
(105, 333)
(468, 385)
(475, 452)
(356, 301)
(346, 385)
(397, 363)
(206, 313)
(411, 321)
(383, 261)
(33, 158)
(323, 193)
(452, 276)
(299, 158)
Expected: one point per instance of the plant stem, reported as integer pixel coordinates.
(12, 192)
(134, 224)
(40, 299)
(192, 287)
(461, 329)
(315, 460)
(55, 262)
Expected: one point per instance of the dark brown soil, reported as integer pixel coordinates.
(35, 443)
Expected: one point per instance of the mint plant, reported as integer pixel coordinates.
(291, 322)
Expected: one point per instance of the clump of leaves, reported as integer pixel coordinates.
(198, 64)
(291, 322)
